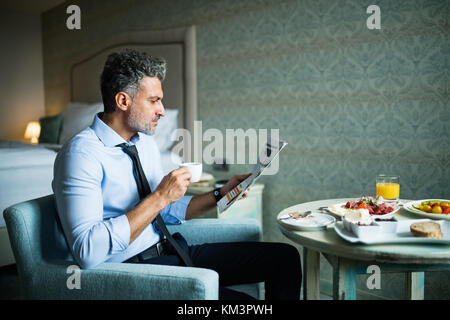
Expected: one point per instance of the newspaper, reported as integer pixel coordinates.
(269, 153)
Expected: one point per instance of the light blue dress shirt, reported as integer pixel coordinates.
(94, 186)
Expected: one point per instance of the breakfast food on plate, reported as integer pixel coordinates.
(361, 217)
(434, 206)
(426, 229)
(340, 210)
(374, 206)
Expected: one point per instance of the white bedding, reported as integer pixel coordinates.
(26, 172)
(26, 156)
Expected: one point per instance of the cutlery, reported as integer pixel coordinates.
(325, 209)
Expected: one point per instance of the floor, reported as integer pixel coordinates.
(9, 283)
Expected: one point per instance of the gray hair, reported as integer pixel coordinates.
(123, 71)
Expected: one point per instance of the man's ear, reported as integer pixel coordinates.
(123, 101)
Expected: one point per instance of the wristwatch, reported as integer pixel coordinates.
(216, 194)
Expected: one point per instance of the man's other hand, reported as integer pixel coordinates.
(174, 185)
(233, 182)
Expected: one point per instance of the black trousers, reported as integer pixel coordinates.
(276, 264)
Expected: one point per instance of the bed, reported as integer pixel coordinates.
(26, 171)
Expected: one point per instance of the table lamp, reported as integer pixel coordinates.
(33, 131)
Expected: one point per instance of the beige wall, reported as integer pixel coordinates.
(21, 76)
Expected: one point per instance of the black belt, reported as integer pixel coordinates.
(161, 248)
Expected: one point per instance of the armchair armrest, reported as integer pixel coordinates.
(197, 231)
(125, 281)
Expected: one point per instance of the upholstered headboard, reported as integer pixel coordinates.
(177, 46)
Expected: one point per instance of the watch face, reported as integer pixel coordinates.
(216, 193)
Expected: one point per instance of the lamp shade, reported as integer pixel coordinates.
(33, 131)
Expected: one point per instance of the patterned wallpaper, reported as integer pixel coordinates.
(351, 102)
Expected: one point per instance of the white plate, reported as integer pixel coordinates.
(402, 235)
(375, 216)
(409, 207)
(318, 221)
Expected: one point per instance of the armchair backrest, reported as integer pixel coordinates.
(35, 234)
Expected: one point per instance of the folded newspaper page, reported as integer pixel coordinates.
(270, 152)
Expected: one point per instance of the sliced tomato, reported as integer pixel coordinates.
(437, 209)
(446, 210)
(362, 206)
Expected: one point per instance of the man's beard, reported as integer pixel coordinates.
(137, 122)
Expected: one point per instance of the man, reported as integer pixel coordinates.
(113, 205)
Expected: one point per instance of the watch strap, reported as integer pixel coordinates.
(216, 194)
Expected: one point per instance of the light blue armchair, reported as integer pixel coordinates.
(43, 259)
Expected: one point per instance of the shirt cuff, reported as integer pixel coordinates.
(119, 229)
(175, 213)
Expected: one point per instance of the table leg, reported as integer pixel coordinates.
(415, 285)
(344, 280)
(311, 274)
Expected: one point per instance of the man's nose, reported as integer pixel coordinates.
(162, 110)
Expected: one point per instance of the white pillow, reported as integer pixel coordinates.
(170, 161)
(76, 117)
(166, 125)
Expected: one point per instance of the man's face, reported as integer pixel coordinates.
(147, 106)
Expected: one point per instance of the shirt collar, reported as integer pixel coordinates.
(107, 135)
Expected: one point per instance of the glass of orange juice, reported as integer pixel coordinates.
(388, 187)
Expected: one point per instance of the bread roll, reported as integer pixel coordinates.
(426, 229)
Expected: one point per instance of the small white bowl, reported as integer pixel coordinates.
(387, 226)
(347, 225)
(386, 216)
(366, 232)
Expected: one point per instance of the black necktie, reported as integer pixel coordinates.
(144, 190)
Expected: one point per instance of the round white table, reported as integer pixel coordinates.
(350, 259)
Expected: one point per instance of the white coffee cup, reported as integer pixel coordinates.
(195, 168)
